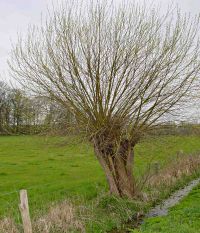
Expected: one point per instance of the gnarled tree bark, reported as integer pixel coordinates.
(118, 168)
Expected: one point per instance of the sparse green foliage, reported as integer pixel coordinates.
(118, 69)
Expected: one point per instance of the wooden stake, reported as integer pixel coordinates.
(24, 209)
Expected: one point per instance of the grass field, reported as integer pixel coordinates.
(183, 218)
(55, 168)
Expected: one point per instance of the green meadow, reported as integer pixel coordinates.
(55, 168)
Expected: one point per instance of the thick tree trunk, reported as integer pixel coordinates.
(118, 168)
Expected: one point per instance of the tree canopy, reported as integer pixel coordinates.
(118, 68)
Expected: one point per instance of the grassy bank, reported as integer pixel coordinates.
(183, 218)
(56, 168)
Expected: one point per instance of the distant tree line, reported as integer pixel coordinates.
(23, 114)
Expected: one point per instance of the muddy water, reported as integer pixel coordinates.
(162, 209)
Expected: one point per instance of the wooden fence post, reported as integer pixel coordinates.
(24, 209)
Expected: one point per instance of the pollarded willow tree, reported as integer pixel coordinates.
(118, 68)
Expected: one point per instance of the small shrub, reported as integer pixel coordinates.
(181, 166)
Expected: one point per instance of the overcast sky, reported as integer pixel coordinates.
(16, 15)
